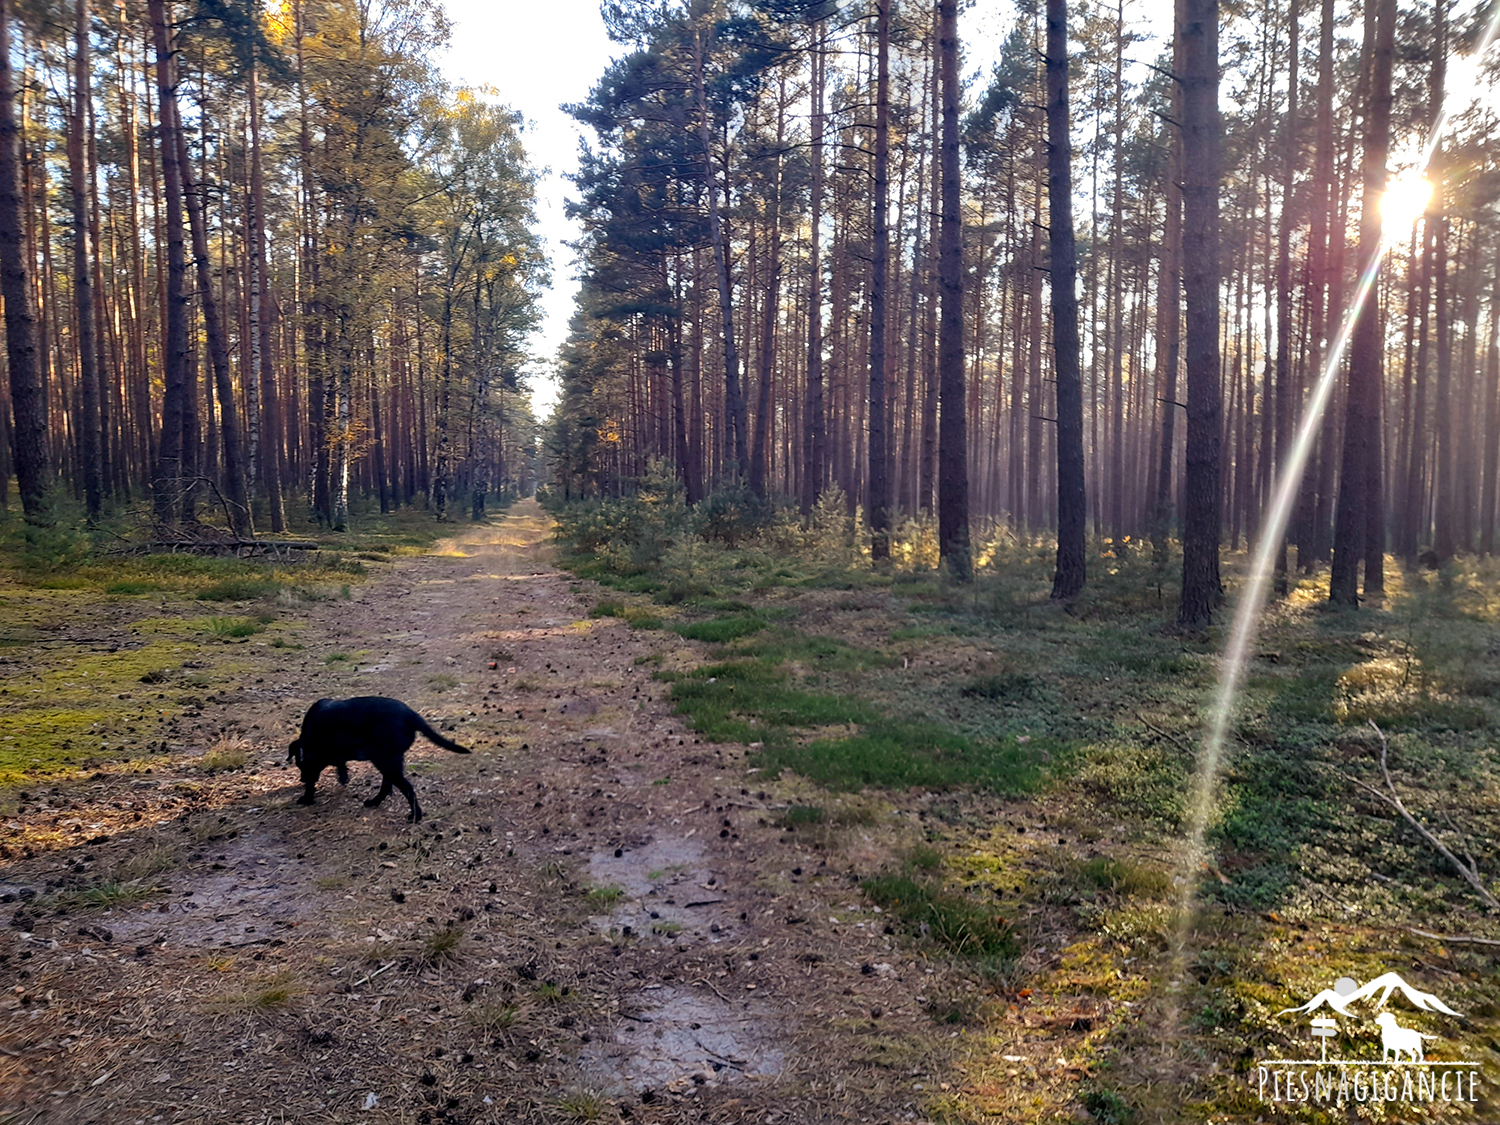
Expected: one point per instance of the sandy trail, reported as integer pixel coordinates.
(333, 963)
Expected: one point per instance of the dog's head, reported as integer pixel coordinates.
(1385, 1019)
(296, 751)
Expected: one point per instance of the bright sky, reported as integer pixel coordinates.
(537, 54)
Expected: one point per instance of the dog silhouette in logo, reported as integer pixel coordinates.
(1397, 1040)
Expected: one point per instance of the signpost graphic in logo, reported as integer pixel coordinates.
(1404, 1073)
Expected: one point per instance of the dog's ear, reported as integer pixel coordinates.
(294, 751)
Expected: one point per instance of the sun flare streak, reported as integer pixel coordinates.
(1247, 615)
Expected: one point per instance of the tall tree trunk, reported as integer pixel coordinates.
(1361, 415)
(734, 402)
(28, 392)
(1491, 399)
(764, 415)
(261, 321)
(218, 350)
(1443, 483)
(1117, 302)
(1169, 316)
(814, 454)
(1324, 199)
(83, 278)
(314, 334)
(1072, 499)
(927, 483)
(1277, 458)
(1201, 132)
(880, 481)
(167, 484)
(953, 455)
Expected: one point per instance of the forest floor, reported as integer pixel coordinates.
(598, 916)
(746, 837)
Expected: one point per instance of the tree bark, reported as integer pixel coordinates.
(28, 393)
(814, 456)
(168, 483)
(1361, 415)
(261, 320)
(953, 455)
(1169, 316)
(83, 277)
(1072, 500)
(1277, 457)
(218, 349)
(734, 402)
(1201, 132)
(880, 482)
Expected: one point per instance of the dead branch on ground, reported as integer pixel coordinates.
(1468, 870)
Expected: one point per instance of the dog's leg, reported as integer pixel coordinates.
(385, 791)
(411, 795)
(308, 785)
(343, 768)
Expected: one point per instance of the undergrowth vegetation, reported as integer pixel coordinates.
(73, 707)
(1047, 754)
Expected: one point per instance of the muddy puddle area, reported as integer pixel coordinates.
(666, 889)
(675, 1039)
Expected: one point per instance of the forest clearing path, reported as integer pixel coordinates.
(596, 916)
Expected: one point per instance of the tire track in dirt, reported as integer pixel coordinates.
(721, 970)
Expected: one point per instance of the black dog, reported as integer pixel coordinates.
(368, 728)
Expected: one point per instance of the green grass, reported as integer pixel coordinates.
(1126, 877)
(718, 630)
(240, 590)
(895, 755)
(221, 759)
(753, 701)
(442, 946)
(100, 896)
(813, 651)
(583, 1104)
(604, 896)
(494, 1016)
(228, 628)
(1107, 1107)
(39, 740)
(637, 617)
(1008, 687)
(133, 586)
(802, 816)
(947, 919)
(264, 995)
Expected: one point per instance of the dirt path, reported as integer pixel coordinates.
(598, 920)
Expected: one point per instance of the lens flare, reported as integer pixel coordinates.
(1194, 857)
(1405, 198)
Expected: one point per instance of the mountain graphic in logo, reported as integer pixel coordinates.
(1345, 992)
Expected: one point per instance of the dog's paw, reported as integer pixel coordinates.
(371, 802)
(305, 799)
(415, 817)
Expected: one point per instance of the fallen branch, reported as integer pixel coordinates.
(372, 976)
(1469, 871)
(1182, 742)
(191, 545)
(1456, 939)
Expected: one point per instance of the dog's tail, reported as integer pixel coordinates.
(445, 743)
